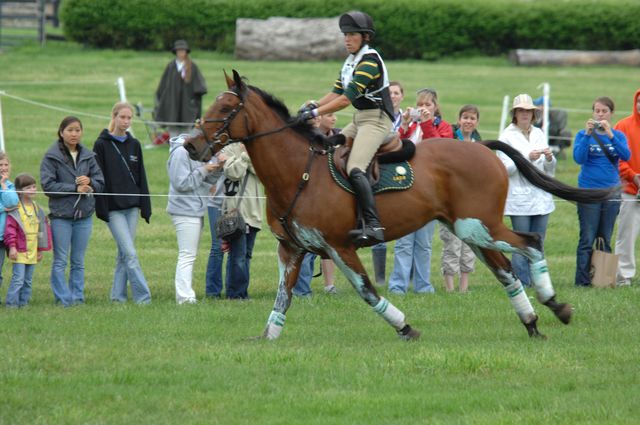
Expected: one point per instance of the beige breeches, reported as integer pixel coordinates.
(368, 130)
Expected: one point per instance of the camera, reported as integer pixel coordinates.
(597, 125)
(415, 114)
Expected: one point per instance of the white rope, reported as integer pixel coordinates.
(46, 83)
(55, 108)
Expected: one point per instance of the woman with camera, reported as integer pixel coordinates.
(527, 206)
(598, 149)
(412, 253)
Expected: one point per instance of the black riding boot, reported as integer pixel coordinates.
(372, 232)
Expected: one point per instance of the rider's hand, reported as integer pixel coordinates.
(308, 106)
(305, 116)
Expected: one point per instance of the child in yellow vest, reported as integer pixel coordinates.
(27, 233)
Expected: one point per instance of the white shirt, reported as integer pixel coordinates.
(523, 197)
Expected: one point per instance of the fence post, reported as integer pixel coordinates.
(1, 127)
(505, 109)
(546, 89)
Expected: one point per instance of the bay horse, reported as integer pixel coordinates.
(463, 185)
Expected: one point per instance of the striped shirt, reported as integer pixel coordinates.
(366, 74)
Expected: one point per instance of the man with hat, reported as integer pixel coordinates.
(179, 94)
(364, 83)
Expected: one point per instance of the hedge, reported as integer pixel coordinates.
(419, 29)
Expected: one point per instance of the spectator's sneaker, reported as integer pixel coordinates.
(331, 290)
(624, 282)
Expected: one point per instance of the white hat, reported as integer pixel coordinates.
(524, 101)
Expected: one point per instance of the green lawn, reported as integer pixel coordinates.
(336, 361)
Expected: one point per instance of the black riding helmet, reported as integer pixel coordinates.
(356, 21)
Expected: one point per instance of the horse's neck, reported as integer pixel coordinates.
(279, 159)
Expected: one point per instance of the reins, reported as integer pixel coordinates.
(224, 133)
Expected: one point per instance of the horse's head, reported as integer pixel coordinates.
(220, 121)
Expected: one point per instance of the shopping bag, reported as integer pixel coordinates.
(604, 267)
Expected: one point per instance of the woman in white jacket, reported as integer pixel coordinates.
(527, 206)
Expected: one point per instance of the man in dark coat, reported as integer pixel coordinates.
(179, 94)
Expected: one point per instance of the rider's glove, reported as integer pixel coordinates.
(306, 115)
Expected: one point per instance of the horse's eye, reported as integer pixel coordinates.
(225, 109)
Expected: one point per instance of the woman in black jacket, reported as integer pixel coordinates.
(69, 174)
(119, 155)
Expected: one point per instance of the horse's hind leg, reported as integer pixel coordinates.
(541, 277)
(500, 238)
(501, 268)
(349, 263)
(289, 261)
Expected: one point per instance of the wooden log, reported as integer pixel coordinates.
(531, 57)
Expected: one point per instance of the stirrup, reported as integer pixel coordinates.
(367, 236)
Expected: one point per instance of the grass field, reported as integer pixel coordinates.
(336, 361)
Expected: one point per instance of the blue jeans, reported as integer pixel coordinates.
(19, 292)
(412, 255)
(213, 277)
(69, 234)
(239, 265)
(122, 224)
(596, 221)
(303, 284)
(532, 224)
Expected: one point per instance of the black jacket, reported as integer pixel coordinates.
(58, 174)
(123, 169)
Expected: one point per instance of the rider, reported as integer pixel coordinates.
(363, 83)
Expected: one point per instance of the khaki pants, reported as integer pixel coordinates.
(368, 130)
(457, 257)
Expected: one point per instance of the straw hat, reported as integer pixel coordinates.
(180, 45)
(524, 101)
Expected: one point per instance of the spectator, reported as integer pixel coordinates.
(213, 277)
(179, 94)
(325, 124)
(119, 155)
(559, 134)
(629, 222)
(379, 251)
(189, 184)
(413, 251)
(70, 174)
(598, 150)
(457, 257)
(527, 206)
(8, 201)
(238, 169)
(27, 234)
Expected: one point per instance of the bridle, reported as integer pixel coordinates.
(223, 137)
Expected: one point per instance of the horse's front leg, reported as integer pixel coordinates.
(349, 263)
(289, 261)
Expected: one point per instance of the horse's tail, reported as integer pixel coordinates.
(548, 183)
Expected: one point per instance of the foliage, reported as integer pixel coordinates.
(336, 362)
(418, 29)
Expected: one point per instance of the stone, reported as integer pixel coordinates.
(278, 38)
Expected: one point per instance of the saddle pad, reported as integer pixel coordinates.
(395, 176)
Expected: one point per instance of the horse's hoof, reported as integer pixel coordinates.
(532, 329)
(409, 334)
(564, 312)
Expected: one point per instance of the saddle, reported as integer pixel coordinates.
(392, 150)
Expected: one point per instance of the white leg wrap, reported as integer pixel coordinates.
(542, 281)
(274, 325)
(520, 301)
(390, 313)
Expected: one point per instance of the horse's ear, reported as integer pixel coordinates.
(229, 80)
(241, 87)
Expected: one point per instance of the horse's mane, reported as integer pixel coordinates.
(304, 129)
